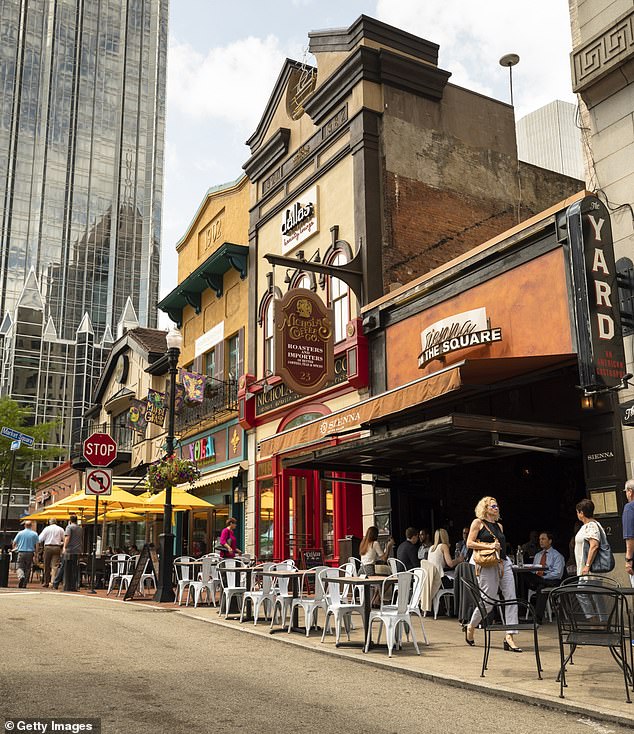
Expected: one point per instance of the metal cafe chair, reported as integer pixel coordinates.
(592, 616)
(486, 604)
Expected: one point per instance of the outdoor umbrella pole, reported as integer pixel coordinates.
(94, 546)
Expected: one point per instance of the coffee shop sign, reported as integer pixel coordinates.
(460, 331)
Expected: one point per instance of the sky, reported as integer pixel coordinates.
(224, 58)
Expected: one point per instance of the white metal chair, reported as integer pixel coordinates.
(184, 575)
(118, 569)
(283, 598)
(231, 583)
(396, 566)
(337, 605)
(260, 594)
(129, 572)
(394, 616)
(414, 603)
(311, 603)
(205, 582)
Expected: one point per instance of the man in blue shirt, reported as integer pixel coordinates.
(628, 529)
(26, 542)
(553, 565)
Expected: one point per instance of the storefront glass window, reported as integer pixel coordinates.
(327, 519)
(266, 517)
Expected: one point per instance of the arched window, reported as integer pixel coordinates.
(267, 323)
(301, 280)
(339, 298)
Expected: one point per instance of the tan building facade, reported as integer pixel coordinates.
(370, 161)
(602, 64)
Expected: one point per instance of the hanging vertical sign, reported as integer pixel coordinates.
(596, 296)
(304, 341)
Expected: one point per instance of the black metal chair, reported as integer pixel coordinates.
(492, 611)
(589, 615)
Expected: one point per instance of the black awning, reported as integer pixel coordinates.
(439, 443)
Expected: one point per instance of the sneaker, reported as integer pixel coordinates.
(56, 586)
(22, 583)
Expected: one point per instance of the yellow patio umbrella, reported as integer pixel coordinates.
(181, 501)
(59, 513)
(119, 499)
(120, 516)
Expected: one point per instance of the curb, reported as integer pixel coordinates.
(552, 703)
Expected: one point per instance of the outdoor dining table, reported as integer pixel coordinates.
(366, 582)
(294, 577)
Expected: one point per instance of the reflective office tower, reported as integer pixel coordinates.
(82, 111)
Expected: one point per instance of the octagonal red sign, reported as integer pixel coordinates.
(100, 449)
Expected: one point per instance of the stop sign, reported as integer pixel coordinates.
(100, 449)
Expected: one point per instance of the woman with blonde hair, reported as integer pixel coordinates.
(440, 556)
(486, 533)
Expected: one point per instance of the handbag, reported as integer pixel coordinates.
(488, 557)
(604, 560)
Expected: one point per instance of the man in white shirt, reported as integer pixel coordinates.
(553, 565)
(52, 538)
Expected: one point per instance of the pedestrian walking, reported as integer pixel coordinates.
(487, 534)
(71, 551)
(628, 529)
(26, 542)
(52, 538)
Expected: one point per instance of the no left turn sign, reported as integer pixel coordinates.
(99, 481)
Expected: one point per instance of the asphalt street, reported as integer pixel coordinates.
(145, 670)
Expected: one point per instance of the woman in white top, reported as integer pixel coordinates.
(370, 550)
(440, 556)
(589, 531)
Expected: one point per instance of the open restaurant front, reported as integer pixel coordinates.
(491, 376)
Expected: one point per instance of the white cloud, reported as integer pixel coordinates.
(230, 82)
(474, 35)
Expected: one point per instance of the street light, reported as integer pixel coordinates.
(165, 592)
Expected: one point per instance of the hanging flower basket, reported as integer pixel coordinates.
(170, 472)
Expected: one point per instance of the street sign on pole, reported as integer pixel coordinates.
(100, 449)
(15, 445)
(98, 481)
(16, 436)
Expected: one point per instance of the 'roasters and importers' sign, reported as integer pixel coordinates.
(299, 220)
(460, 331)
(597, 316)
(304, 341)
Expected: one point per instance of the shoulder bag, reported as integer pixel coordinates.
(488, 557)
(604, 560)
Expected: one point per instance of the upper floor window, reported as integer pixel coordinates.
(339, 298)
(267, 322)
(233, 357)
(210, 362)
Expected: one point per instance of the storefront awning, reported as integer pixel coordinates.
(468, 375)
(439, 443)
(213, 477)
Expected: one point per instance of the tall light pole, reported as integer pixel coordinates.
(165, 591)
(510, 60)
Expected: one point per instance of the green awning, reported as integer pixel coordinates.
(208, 275)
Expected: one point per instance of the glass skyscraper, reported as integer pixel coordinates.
(82, 116)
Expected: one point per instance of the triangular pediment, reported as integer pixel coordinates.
(50, 332)
(85, 327)
(7, 323)
(294, 84)
(31, 296)
(128, 319)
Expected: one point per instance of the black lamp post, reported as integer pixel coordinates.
(165, 591)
